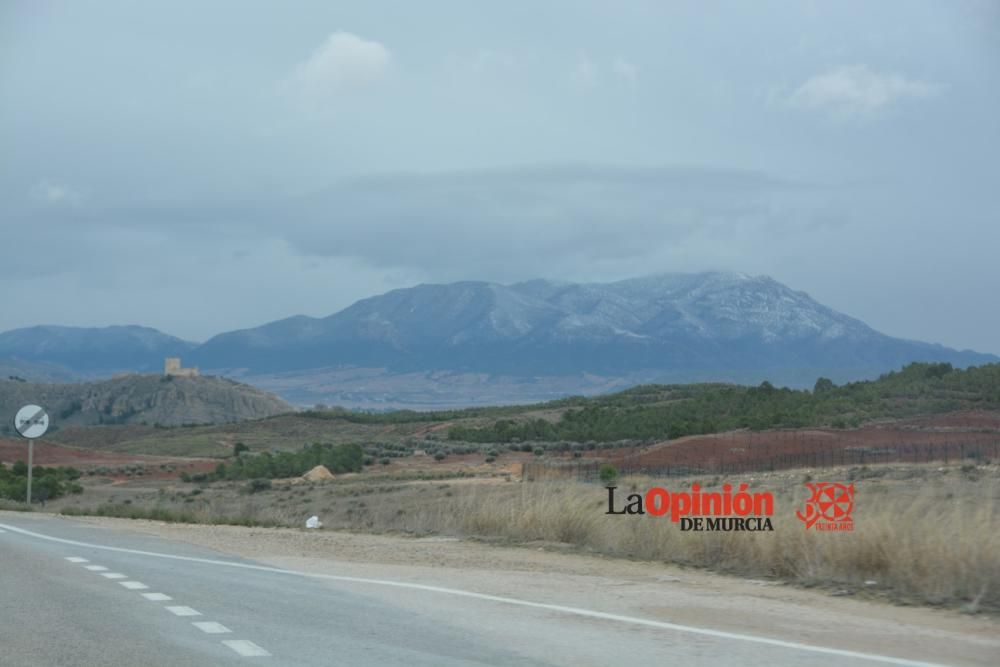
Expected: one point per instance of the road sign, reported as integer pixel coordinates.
(31, 421)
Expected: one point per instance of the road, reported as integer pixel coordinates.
(77, 594)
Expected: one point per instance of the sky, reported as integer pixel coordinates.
(202, 167)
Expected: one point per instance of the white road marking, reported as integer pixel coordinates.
(156, 597)
(211, 627)
(2, 530)
(575, 611)
(245, 648)
(134, 585)
(183, 611)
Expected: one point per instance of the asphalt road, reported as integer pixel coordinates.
(76, 594)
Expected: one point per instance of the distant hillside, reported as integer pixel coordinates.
(674, 411)
(650, 413)
(36, 372)
(140, 399)
(478, 343)
(49, 351)
(470, 343)
(679, 324)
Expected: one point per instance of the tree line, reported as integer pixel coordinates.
(268, 465)
(673, 411)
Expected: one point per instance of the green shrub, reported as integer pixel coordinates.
(258, 485)
(48, 482)
(608, 473)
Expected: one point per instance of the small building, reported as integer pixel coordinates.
(172, 366)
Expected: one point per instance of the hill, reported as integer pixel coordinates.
(46, 351)
(140, 399)
(472, 343)
(478, 343)
(676, 323)
(648, 413)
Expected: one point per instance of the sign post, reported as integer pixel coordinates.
(31, 422)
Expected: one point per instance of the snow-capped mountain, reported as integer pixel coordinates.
(470, 343)
(687, 324)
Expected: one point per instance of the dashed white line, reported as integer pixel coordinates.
(245, 648)
(575, 611)
(156, 597)
(211, 627)
(242, 647)
(183, 611)
(134, 585)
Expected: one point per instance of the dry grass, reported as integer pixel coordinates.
(925, 535)
(929, 544)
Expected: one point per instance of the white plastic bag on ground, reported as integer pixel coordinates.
(314, 522)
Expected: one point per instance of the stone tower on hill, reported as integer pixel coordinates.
(172, 366)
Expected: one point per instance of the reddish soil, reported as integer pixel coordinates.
(949, 437)
(944, 437)
(48, 454)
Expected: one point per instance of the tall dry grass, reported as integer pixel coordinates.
(929, 539)
(927, 543)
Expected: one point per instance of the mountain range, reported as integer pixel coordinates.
(473, 342)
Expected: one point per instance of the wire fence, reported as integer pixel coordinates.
(742, 461)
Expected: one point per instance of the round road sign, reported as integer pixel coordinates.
(31, 421)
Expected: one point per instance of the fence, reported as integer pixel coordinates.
(719, 463)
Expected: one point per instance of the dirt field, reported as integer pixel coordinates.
(949, 437)
(973, 436)
(114, 465)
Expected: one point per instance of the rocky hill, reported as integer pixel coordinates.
(140, 399)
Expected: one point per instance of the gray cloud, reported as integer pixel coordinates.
(205, 175)
(504, 223)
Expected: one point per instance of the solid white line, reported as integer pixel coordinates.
(95, 568)
(576, 611)
(113, 575)
(245, 648)
(183, 611)
(76, 559)
(134, 585)
(211, 627)
(156, 597)
(2, 530)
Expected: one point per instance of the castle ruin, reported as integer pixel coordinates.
(172, 366)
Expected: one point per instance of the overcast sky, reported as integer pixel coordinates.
(204, 166)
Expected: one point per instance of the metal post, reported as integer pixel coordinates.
(31, 422)
(31, 466)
